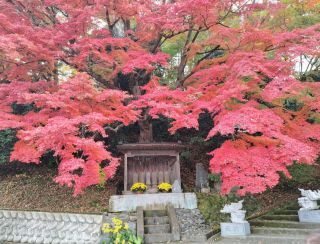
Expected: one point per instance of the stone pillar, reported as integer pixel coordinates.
(201, 176)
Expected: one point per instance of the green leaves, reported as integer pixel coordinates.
(7, 140)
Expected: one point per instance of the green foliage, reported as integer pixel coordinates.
(22, 109)
(185, 155)
(311, 76)
(251, 204)
(292, 104)
(246, 78)
(7, 140)
(314, 118)
(214, 178)
(301, 174)
(300, 15)
(50, 160)
(210, 206)
(173, 46)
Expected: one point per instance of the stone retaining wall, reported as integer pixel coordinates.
(43, 227)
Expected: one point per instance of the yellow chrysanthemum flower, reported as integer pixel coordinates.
(166, 187)
(117, 222)
(139, 187)
(106, 228)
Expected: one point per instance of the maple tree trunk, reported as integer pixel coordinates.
(146, 132)
(145, 125)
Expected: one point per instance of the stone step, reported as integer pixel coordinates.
(278, 239)
(285, 212)
(156, 220)
(265, 239)
(155, 213)
(293, 207)
(283, 224)
(282, 231)
(151, 229)
(157, 238)
(281, 217)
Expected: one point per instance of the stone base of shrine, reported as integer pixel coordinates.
(122, 203)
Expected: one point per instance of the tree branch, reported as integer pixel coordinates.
(115, 130)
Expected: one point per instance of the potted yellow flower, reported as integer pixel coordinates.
(138, 187)
(165, 187)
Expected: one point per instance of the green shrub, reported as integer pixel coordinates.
(215, 178)
(210, 206)
(7, 140)
(301, 174)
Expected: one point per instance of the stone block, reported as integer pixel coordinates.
(119, 203)
(235, 229)
(309, 216)
(205, 190)
(201, 176)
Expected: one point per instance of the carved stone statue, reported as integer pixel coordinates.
(176, 187)
(309, 198)
(235, 209)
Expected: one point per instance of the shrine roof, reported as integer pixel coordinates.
(151, 146)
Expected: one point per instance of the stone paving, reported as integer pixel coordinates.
(193, 226)
(43, 227)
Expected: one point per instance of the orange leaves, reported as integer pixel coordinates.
(313, 3)
(260, 140)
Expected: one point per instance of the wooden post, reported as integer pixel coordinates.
(125, 173)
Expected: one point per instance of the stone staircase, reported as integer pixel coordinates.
(158, 226)
(278, 227)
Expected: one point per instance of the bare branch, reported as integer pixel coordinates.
(115, 130)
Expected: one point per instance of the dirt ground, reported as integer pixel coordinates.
(30, 187)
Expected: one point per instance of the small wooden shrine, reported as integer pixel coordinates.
(151, 163)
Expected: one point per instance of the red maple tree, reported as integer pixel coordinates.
(236, 61)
